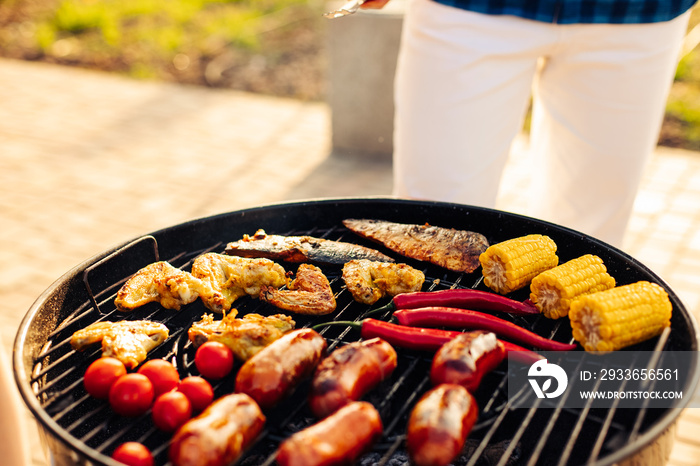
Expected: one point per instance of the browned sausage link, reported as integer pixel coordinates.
(349, 373)
(220, 434)
(339, 439)
(466, 359)
(439, 425)
(272, 373)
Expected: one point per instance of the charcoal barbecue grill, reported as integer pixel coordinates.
(80, 430)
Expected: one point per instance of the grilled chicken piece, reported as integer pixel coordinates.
(245, 336)
(235, 277)
(309, 293)
(162, 282)
(298, 249)
(128, 341)
(456, 250)
(370, 281)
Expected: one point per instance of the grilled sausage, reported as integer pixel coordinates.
(465, 359)
(339, 439)
(439, 425)
(278, 368)
(220, 434)
(348, 373)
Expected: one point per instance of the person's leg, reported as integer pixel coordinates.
(462, 87)
(13, 429)
(598, 107)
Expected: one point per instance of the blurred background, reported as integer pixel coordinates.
(118, 118)
(273, 47)
(268, 46)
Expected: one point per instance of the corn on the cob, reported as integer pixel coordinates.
(511, 264)
(620, 317)
(555, 289)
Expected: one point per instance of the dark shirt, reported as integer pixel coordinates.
(580, 11)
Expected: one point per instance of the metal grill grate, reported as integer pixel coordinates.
(503, 435)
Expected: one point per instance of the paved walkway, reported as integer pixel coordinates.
(89, 160)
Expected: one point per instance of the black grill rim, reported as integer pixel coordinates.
(28, 342)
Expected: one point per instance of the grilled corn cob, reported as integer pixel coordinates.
(620, 317)
(555, 289)
(510, 265)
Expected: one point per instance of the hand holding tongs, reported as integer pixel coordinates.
(348, 8)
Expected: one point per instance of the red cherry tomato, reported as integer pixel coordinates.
(198, 391)
(162, 375)
(131, 395)
(101, 374)
(171, 410)
(214, 360)
(133, 454)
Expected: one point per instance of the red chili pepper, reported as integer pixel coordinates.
(417, 338)
(520, 354)
(422, 339)
(465, 298)
(467, 319)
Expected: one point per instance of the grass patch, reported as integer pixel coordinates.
(202, 42)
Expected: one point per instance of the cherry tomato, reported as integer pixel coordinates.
(214, 360)
(131, 395)
(162, 375)
(171, 410)
(133, 454)
(101, 374)
(198, 391)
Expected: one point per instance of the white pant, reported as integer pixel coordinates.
(463, 85)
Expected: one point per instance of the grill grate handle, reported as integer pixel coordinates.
(109, 258)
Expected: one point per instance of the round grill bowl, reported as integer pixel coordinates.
(78, 430)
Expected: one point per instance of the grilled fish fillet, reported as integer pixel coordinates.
(233, 277)
(309, 293)
(370, 281)
(162, 282)
(299, 249)
(128, 341)
(456, 250)
(245, 336)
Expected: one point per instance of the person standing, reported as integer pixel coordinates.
(14, 431)
(598, 73)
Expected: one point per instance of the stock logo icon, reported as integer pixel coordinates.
(547, 372)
